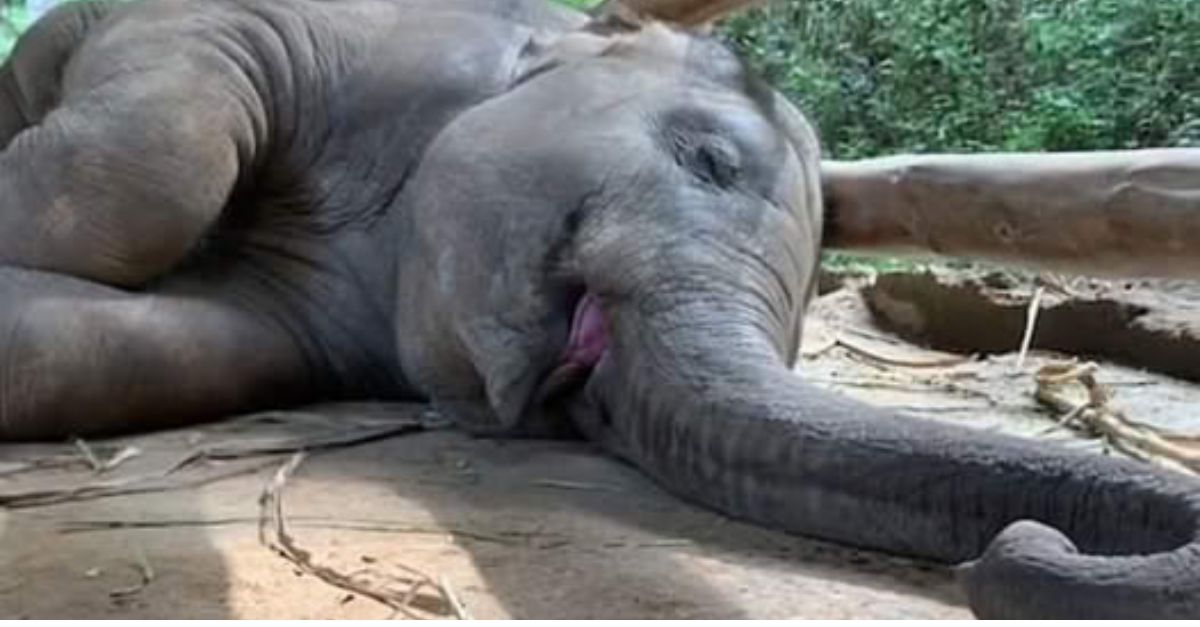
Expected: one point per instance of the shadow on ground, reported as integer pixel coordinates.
(527, 529)
(555, 530)
(45, 573)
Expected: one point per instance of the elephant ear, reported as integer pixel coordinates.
(688, 13)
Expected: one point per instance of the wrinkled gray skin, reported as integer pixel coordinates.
(213, 206)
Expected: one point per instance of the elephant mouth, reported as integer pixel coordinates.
(586, 345)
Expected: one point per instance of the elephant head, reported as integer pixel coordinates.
(626, 241)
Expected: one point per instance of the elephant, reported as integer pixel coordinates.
(544, 223)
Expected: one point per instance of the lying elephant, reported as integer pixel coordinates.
(537, 221)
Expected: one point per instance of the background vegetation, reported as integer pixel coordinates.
(13, 19)
(887, 76)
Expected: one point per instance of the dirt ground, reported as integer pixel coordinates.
(523, 529)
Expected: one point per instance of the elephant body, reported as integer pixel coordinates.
(540, 222)
(249, 152)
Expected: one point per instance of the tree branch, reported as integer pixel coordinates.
(685, 12)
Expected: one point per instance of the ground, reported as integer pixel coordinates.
(525, 529)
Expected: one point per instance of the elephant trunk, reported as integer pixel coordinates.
(709, 409)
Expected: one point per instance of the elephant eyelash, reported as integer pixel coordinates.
(719, 169)
(712, 159)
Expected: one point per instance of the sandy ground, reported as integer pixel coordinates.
(524, 529)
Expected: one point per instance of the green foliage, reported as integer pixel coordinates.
(579, 4)
(13, 20)
(888, 76)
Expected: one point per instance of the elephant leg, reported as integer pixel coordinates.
(30, 79)
(79, 358)
(134, 142)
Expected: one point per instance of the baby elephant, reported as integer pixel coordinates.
(538, 220)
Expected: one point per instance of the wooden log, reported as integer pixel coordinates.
(1116, 213)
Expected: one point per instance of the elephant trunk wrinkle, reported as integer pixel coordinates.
(715, 416)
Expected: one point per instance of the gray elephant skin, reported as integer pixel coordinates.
(539, 222)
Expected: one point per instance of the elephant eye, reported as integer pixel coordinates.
(711, 158)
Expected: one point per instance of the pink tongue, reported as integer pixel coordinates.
(589, 334)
